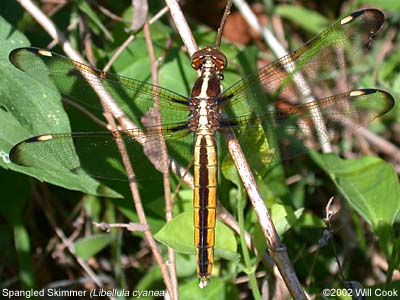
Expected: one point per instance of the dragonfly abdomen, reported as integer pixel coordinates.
(205, 202)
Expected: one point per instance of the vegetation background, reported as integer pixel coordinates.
(47, 236)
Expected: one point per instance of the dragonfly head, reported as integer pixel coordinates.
(209, 55)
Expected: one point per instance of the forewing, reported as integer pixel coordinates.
(319, 59)
(77, 82)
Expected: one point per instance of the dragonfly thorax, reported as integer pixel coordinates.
(207, 88)
(204, 111)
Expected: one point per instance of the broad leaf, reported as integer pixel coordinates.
(88, 247)
(369, 184)
(179, 232)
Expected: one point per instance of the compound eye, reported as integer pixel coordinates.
(197, 62)
(198, 57)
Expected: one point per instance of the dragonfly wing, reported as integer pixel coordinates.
(97, 153)
(77, 82)
(315, 61)
(298, 128)
(85, 152)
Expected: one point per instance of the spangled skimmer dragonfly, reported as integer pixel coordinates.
(193, 123)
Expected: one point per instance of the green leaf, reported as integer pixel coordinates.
(173, 235)
(93, 207)
(14, 201)
(177, 73)
(185, 264)
(90, 246)
(230, 172)
(384, 4)
(216, 289)
(396, 84)
(308, 19)
(23, 248)
(284, 217)
(309, 220)
(369, 184)
(387, 238)
(12, 207)
(28, 108)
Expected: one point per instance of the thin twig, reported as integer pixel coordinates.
(138, 204)
(109, 13)
(129, 226)
(164, 158)
(57, 8)
(277, 249)
(158, 15)
(130, 39)
(382, 144)
(227, 12)
(86, 112)
(117, 53)
(87, 40)
(182, 26)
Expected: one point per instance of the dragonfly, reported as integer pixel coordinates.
(191, 126)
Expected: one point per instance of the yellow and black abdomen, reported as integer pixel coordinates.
(205, 202)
